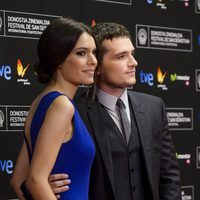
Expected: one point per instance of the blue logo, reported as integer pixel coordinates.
(199, 40)
(150, 1)
(6, 166)
(5, 71)
(146, 78)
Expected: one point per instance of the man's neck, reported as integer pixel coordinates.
(112, 90)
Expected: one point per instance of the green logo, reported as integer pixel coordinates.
(173, 77)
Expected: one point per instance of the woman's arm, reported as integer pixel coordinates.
(56, 127)
(20, 171)
(59, 182)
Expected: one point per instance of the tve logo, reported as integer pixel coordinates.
(5, 72)
(199, 117)
(150, 1)
(6, 166)
(146, 78)
(199, 40)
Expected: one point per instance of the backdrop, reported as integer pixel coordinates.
(166, 35)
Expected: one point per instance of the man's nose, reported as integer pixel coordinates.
(133, 62)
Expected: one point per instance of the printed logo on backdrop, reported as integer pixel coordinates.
(2, 118)
(199, 116)
(26, 25)
(158, 3)
(6, 166)
(5, 72)
(13, 117)
(186, 157)
(198, 40)
(160, 78)
(142, 37)
(197, 6)
(146, 78)
(126, 2)
(164, 38)
(181, 78)
(1, 23)
(187, 192)
(198, 80)
(21, 71)
(164, 5)
(198, 157)
(180, 118)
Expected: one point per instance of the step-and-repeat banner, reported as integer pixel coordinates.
(166, 35)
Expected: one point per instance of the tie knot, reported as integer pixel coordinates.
(120, 104)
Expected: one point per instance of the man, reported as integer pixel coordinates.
(144, 167)
(139, 165)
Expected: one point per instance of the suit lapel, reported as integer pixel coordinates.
(143, 131)
(99, 131)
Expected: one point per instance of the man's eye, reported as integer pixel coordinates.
(121, 56)
(80, 53)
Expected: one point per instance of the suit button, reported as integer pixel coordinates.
(130, 153)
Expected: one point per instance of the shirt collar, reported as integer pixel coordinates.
(109, 101)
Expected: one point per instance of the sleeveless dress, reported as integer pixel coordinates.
(75, 156)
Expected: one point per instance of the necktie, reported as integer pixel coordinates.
(126, 126)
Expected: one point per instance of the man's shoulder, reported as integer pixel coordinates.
(144, 97)
(149, 104)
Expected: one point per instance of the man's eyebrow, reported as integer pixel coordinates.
(124, 52)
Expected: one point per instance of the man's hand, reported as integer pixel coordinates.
(59, 183)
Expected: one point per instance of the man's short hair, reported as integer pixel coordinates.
(107, 31)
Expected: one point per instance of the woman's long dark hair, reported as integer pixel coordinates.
(55, 44)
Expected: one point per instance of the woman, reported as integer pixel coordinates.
(56, 137)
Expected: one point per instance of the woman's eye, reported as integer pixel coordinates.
(80, 53)
(94, 52)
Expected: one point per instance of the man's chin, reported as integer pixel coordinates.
(131, 84)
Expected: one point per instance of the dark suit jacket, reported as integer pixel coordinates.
(162, 171)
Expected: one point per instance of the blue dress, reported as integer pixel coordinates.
(75, 156)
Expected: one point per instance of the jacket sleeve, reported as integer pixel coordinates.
(169, 186)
